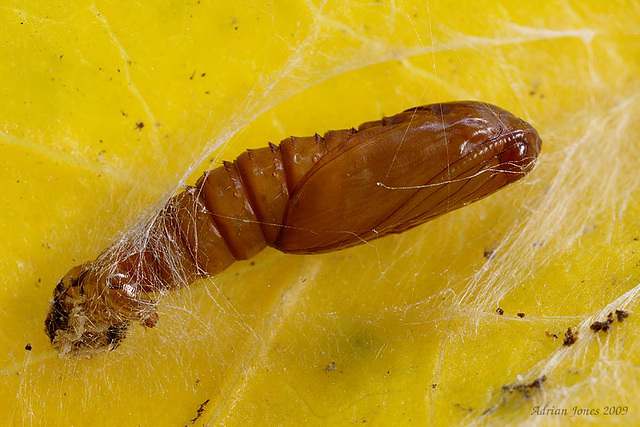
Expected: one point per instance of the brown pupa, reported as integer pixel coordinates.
(307, 195)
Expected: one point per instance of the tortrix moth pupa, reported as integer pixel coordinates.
(307, 195)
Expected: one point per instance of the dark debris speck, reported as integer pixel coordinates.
(525, 388)
(621, 315)
(604, 325)
(199, 411)
(488, 252)
(570, 338)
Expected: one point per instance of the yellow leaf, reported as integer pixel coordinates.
(108, 107)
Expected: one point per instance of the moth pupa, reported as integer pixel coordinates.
(304, 196)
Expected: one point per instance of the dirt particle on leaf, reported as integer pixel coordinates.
(621, 315)
(570, 338)
(488, 252)
(525, 388)
(199, 411)
(604, 325)
(600, 326)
